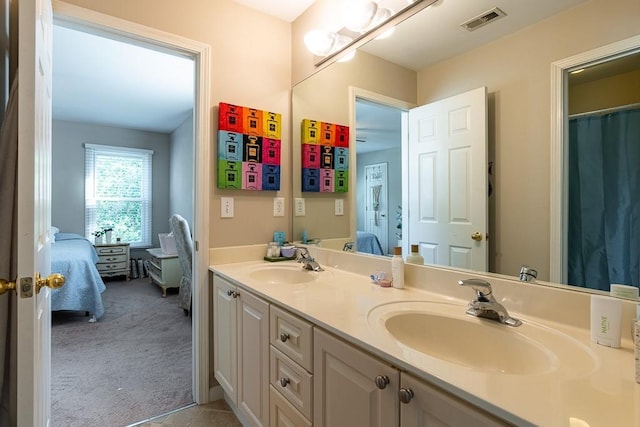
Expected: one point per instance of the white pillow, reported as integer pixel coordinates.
(52, 233)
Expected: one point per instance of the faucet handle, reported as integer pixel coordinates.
(482, 288)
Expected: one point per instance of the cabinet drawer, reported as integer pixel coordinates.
(292, 336)
(282, 413)
(110, 259)
(112, 266)
(111, 250)
(292, 381)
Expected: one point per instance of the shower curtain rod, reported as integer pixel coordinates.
(606, 110)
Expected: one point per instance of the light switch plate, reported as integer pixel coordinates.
(278, 206)
(300, 207)
(226, 207)
(339, 207)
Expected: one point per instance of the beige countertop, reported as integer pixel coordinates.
(590, 385)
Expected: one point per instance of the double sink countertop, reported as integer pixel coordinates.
(541, 373)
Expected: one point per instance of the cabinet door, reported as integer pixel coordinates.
(253, 359)
(345, 390)
(431, 406)
(225, 361)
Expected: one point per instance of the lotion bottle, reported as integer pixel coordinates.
(414, 257)
(397, 268)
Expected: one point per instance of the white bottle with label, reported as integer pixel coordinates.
(414, 257)
(397, 268)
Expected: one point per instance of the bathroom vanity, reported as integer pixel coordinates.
(330, 348)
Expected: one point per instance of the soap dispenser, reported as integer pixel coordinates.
(397, 268)
(414, 257)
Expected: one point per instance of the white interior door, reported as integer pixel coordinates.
(447, 180)
(34, 211)
(376, 208)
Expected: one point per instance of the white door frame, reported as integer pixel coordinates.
(71, 15)
(559, 152)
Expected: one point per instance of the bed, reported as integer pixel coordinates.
(368, 243)
(75, 257)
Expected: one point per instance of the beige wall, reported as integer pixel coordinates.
(325, 97)
(622, 89)
(517, 72)
(250, 66)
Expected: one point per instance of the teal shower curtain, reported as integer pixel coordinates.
(604, 200)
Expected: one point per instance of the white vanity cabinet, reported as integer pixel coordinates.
(241, 349)
(355, 388)
(352, 388)
(426, 405)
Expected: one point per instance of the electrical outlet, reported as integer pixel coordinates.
(339, 207)
(300, 206)
(226, 207)
(278, 206)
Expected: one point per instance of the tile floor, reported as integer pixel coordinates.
(216, 414)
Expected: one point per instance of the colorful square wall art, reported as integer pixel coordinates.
(249, 142)
(325, 157)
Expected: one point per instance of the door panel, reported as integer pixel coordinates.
(34, 211)
(376, 185)
(447, 180)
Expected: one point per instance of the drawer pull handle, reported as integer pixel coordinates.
(284, 337)
(284, 381)
(405, 395)
(232, 293)
(382, 381)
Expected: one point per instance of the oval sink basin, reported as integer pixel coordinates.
(284, 274)
(445, 332)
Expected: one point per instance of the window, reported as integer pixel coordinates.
(118, 192)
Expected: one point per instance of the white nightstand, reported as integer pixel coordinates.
(164, 270)
(113, 259)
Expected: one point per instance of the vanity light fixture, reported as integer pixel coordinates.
(365, 21)
(358, 16)
(577, 71)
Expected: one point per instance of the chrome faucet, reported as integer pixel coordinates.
(485, 305)
(303, 256)
(528, 274)
(348, 247)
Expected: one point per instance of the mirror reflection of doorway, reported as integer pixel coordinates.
(378, 162)
(603, 176)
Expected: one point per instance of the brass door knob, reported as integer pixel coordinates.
(476, 236)
(53, 281)
(6, 286)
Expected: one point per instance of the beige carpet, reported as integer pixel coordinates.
(131, 365)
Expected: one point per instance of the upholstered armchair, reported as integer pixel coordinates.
(184, 245)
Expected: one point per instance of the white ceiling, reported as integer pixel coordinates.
(287, 10)
(105, 81)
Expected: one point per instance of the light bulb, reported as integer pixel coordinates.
(320, 42)
(359, 14)
(382, 15)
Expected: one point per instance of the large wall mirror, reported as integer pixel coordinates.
(430, 58)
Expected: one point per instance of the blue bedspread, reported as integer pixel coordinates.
(368, 243)
(75, 257)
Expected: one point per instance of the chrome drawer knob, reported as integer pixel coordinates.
(382, 381)
(284, 337)
(284, 381)
(405, 395)
(232, 293)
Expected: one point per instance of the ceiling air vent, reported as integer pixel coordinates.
(483, 19)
